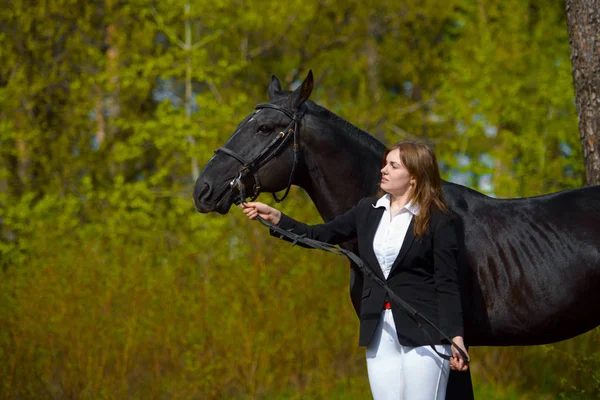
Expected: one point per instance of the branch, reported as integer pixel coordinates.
(271, 43)
(410, 136)
(215, 92)
(171, 35)
(416, 106)
(321, 78)
(207, 39)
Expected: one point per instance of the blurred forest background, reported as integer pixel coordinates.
(112, 286)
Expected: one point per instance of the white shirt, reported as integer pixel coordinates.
(391, 232)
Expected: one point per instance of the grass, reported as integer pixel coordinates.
(215, 313)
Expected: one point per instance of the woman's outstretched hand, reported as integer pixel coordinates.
(456, 361)
(255, 208)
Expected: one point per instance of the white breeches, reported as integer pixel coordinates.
(399, 372)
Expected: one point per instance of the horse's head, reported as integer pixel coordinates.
(259, 156)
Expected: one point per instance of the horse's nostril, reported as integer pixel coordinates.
(204, 192)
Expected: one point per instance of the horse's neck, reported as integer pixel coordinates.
(342, 164)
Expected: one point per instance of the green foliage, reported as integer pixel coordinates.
(112, 286)
(118, 310)
(509, 95)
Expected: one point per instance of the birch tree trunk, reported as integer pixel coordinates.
(195, 169)
(583, 22)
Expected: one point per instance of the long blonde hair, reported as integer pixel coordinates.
(421, 163)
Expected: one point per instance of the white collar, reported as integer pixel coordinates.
(384, 201)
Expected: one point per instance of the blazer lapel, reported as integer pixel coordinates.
(370, 229)
(409, 238)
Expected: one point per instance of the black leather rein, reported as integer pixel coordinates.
(275, 147)
(410, 310)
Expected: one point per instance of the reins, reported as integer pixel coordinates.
(410, 310)
(264, 157)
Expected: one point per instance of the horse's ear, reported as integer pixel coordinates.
(302, 93)
(274, 87)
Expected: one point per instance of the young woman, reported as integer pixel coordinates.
(407, 237)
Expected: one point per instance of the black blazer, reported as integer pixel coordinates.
(424, 273)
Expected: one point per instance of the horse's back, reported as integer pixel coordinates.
(532, 264)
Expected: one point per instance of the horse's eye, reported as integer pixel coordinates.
(263, 130)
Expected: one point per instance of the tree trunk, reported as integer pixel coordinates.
(583, 22)
(100, 121)
(195, 169)
(111, 101)
(373, 70)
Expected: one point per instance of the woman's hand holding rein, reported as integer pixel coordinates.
(255, 208)
(456, 362)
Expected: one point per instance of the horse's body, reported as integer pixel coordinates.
(531, 270)
(533, 265)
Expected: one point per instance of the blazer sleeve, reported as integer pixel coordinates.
(341, 229)
(445, 263)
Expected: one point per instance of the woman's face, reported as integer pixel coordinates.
(395, 178)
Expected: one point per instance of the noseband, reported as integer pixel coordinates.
(274, 148)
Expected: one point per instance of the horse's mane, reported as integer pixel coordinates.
(362, 137)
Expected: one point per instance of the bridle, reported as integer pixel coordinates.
(274, 148)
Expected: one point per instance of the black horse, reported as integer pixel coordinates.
(531, 266)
